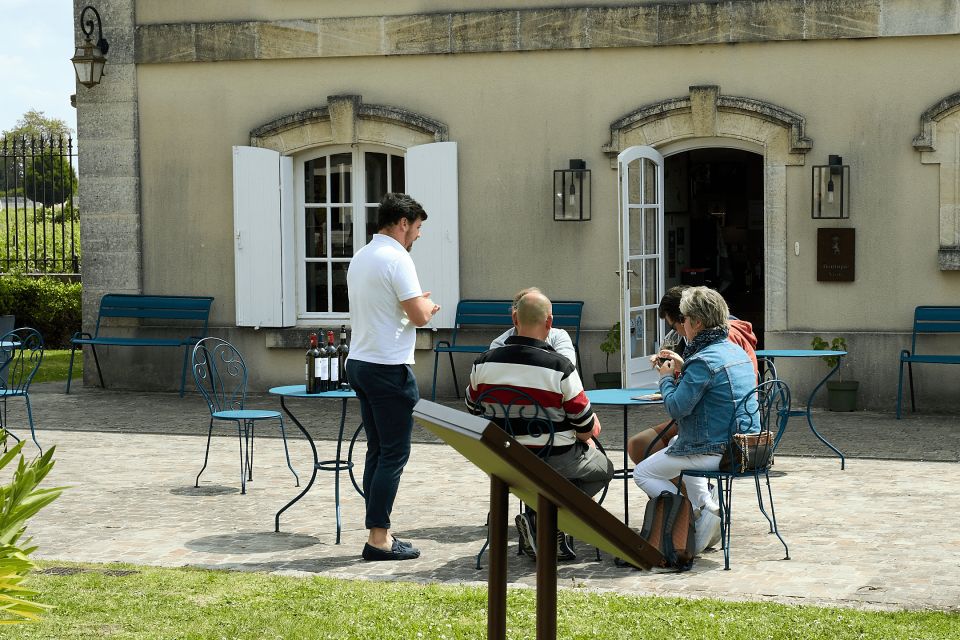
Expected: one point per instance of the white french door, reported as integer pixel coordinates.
(640, 181)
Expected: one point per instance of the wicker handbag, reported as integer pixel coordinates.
(748, 451)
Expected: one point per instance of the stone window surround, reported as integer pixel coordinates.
(706, 118)
(939, 143)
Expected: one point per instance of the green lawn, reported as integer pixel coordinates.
(55, 364)
(157, 603)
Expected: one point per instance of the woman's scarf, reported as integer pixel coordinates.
(704, 339)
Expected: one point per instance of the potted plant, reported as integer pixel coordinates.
(841, 394)
(609, 346)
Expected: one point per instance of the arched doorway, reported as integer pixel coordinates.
(713, 223)
(705, 119)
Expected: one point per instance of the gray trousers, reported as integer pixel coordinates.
(586, 467)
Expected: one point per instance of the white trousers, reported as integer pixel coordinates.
(655, 474)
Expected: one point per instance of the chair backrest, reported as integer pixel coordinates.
(766, 369)
(220, 374)
(929, 319)
(766, 408)
(21, 352)
(519, 414)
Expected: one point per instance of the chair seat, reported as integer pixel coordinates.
(246, 414)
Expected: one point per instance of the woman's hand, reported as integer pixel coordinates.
(670, 363)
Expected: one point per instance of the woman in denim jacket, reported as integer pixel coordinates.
(715, 375)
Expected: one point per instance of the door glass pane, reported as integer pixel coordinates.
(650, 334)
(315, 174)
(376, 167)
(397, 174)
(637, 331)
(649, 182)
(340, 301)
(650, 232)
(316, 233)
(317, 286)
(341, 232)
(635, 220)
(650, 281)
(636, 282)
(341, 172)
(371, 222)
(633, 182)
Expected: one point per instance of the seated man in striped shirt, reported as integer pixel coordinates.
(531, 366)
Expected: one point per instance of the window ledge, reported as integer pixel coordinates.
(299, 338)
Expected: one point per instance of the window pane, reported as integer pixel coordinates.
(633, 182)
(376, 167)
(316, 233)
(341, 235)
(651, 246)
(317, 286)
(650, 195)
(398, 176)
(315, 174)
(371, 222)
(340, 302)
(341, 171)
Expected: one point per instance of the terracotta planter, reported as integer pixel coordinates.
(842, 395)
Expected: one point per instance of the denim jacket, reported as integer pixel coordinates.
(713, 381)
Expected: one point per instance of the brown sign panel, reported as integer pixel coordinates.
(836, 255)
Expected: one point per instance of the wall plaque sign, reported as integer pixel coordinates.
(836, 255)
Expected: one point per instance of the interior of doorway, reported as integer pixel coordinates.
(713, 207)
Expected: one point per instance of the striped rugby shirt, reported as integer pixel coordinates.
(534, 368)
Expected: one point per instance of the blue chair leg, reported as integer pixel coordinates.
(756, 481)
(248, 427)
(287, 451)
(73, 350)
(206, 455)
(773, 513)
(183, 372)
(241, 436)
(436, 358)
(900, 390)
(33, 434)
(726, 506)
(453, 370)
(913, 400)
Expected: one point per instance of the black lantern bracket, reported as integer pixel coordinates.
(830, 190)
(571, 192)
(90, 58)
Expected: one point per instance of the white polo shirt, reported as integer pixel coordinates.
(380, 276)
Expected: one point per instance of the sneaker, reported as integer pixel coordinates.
(565, 547)
(528, 535)
(397, 552)
(706, 528)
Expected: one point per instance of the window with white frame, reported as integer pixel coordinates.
(336, 216)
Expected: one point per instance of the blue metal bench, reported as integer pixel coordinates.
(146, 307)
(927, 319)
(498, 313)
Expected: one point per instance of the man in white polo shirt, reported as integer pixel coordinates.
(386, 306)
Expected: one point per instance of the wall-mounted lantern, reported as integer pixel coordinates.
(571, 192)
(831, 189)
(89, 59)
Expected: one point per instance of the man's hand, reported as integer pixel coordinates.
(420, 309)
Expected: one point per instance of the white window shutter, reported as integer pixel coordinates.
(431, 179)
(263, 238)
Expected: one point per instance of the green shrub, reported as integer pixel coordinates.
(49, 305)
(43, 241)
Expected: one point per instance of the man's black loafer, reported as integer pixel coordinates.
(399, 551)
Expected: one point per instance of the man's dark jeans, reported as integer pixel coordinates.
(387, 393)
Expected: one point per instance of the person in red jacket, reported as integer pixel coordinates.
(649, 441)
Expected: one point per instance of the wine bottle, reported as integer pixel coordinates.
(313, 362)
(330, 356)
(343, 350)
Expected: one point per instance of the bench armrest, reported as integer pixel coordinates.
(441, 343)
(80, 335)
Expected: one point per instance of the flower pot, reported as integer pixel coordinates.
(607, 380)
(842, 395)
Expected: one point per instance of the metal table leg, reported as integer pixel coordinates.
(810, 416)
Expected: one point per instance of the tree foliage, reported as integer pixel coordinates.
(34, 160)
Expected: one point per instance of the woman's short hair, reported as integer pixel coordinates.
(706, 305)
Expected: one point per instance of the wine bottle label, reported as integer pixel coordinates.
(322, 369)
(334, 373)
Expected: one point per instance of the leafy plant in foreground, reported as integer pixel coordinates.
(20, 500)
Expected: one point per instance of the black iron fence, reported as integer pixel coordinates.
(39, 221)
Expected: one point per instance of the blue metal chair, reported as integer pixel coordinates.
(21, 352)
(772, 401)
(221, 376)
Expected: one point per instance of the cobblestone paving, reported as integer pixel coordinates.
(877, 535)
